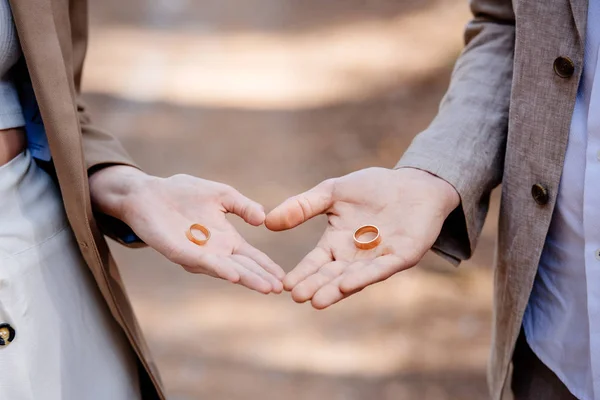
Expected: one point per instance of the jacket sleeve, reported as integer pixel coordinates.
(100, 148)
(466, 142)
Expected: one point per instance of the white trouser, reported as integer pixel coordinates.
(66, 345)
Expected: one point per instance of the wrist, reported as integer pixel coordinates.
(444, 191)
(112, 189)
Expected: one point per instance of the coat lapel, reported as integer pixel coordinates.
(580, 8)
(53, 90)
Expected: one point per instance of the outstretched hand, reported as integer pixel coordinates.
(408, 206)
(160, 210)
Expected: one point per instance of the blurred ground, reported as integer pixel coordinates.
(273, 96)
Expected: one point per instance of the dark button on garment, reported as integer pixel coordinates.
(7, 334)
(564, 67)
(540, 194)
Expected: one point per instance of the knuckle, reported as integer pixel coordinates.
(226, 190)
(330, 184)
(181, 178)
(305, 207)
(244, 209)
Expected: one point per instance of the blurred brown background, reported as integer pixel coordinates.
(273, 96)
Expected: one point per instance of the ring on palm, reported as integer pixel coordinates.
(367, 244)
(190, 234)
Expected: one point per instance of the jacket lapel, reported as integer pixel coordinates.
(53, 90)
(580, 8)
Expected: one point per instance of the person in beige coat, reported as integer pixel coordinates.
(508, 117)
(67, 329)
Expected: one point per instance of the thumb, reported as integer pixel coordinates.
(249, 210)
(299, 209)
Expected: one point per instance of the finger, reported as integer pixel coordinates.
(301, 208)
(250, 277)
(308, 266)
(251, 265)
(306, 289)
(378, 270)
(240, 205)
(327, 296)
(213, 265)
(194, 260)
(330, 293)
(262, 259)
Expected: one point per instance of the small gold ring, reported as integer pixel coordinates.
(369, 244)
(194, 239)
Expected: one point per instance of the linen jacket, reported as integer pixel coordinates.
(53, 36)
(506, 119)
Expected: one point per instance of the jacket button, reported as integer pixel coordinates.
(539, 194)
(7, 334)
(564, 67)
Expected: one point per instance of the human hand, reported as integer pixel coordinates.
(408, 206)
(160, 210)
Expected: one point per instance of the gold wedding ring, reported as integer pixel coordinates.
(190, 234)
(368, 244)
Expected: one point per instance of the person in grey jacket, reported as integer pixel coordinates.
(522, 109)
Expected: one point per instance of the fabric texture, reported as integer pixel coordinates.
(11, 114)
(67, 346)
(561, 321)
(506, 119)
(53, 37)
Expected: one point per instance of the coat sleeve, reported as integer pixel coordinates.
(466, 142)
(100, 148)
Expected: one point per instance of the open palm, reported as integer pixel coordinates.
(407, 205)
(160, 211)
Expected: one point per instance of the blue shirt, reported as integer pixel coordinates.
(562, 320)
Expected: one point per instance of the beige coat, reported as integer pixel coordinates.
(53, 35)
(505, 119)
